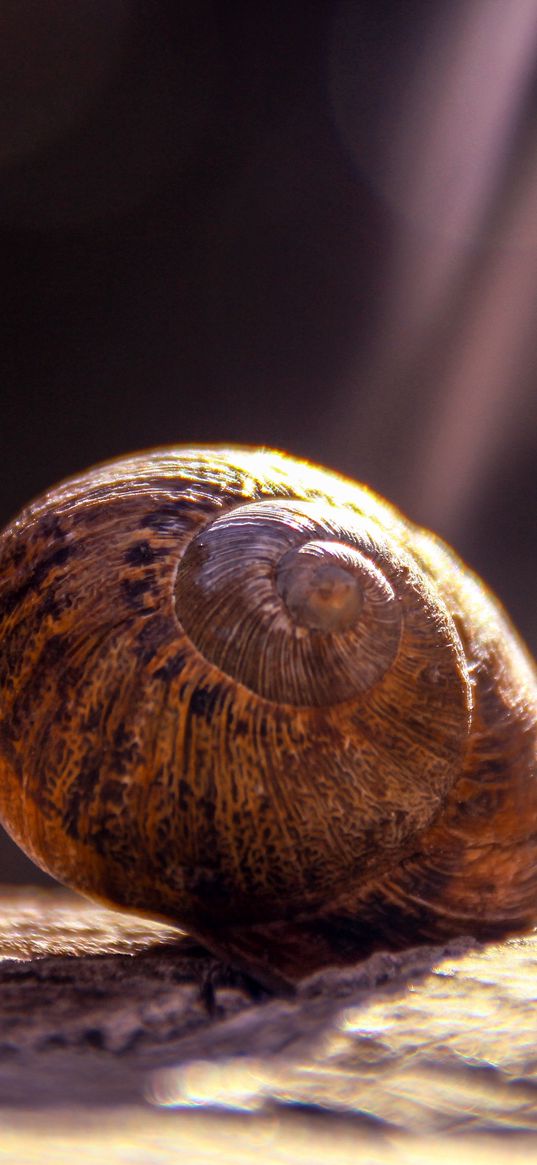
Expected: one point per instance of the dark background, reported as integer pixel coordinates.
(312, 226)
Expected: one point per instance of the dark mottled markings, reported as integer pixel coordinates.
(171, 669)
(125, 750)
(104, 841)
(123, 759)
(185, 794)
(142, 554)
(51, 528)
(58, 558)
(51, 667)
(92, 720)
(112, 792)
(50, 606)
(236, 724)
(79, 798)
(35, 580)
(121, 736)
(204, 700)
(135, 589)
(9, 751)
(207, 808)
(18, 554)
(54, 651)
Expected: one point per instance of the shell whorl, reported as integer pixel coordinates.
(287, 602)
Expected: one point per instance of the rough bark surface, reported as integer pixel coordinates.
(110, 1015)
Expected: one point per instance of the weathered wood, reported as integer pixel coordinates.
(109, 1012)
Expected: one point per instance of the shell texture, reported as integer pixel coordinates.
(246, 695)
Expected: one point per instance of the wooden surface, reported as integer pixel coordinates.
(120, 1038)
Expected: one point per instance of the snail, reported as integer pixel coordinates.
(246, 695)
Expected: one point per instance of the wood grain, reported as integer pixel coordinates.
(110, 1040)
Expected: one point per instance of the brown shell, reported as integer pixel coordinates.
(244, 694)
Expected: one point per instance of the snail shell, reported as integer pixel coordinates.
(246, 695)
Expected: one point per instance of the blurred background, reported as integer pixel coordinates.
(311, 226)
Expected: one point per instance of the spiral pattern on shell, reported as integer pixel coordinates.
(232, 692)
(279, 601)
